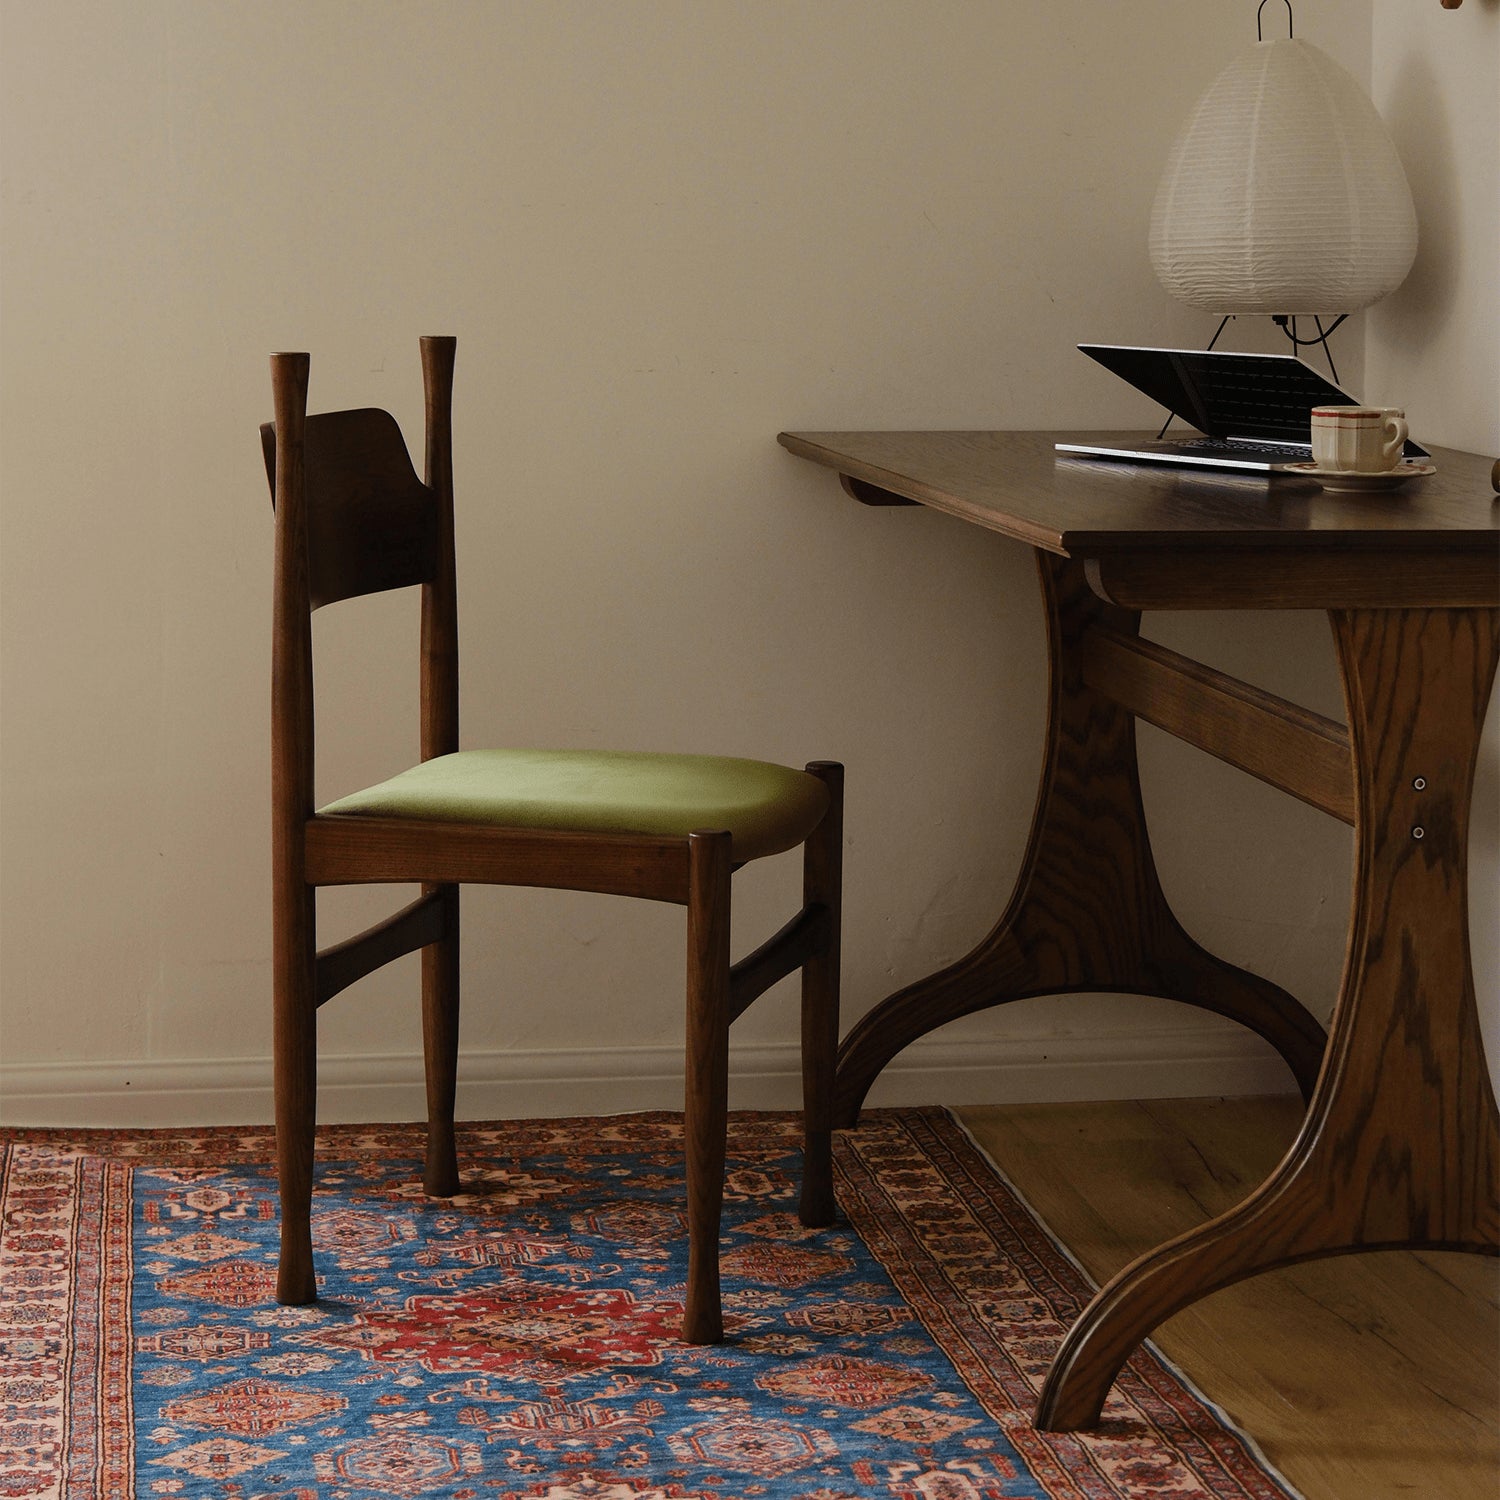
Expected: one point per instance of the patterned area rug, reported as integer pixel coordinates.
(518, 1342)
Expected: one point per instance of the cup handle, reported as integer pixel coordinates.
(1394, 446)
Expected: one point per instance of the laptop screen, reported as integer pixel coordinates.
(1226, 394)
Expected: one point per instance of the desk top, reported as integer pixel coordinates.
(1014, 483)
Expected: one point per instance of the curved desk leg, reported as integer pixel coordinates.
(1401, 1147)
(1088, 913)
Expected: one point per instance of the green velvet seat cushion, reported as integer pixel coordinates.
(765, 807)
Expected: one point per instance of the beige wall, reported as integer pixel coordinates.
(662, 232)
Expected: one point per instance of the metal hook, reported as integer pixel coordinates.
(1290, 32)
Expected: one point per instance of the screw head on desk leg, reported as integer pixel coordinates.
(1418, 833)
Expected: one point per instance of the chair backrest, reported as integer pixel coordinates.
(370, 524)
(352, 518)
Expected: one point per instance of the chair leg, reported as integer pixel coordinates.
(706, 1104)
(822, 885)
(440, 1048)
(296, 1082)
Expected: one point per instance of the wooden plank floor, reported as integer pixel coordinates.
(1369, 1377)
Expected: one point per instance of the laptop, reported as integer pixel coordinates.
(1252, 411)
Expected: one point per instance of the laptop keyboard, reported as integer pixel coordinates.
(1247, 448)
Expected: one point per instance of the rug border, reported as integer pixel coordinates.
(1148, 1383)
(1149, 1345)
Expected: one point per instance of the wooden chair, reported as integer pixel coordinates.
(352, 518)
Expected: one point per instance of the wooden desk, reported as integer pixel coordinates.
(1401, 1144)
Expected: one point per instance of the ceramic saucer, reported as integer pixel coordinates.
(1349, 479)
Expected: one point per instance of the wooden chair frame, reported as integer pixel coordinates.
(309, 850)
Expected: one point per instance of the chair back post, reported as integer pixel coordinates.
(291, 633)
(440, 596)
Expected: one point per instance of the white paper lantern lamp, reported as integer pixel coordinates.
(1283, 193)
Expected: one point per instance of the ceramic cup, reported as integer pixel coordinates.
(1358, 439)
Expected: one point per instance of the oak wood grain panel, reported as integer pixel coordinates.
(1292, 748)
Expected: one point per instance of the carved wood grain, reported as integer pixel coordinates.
(1088, 913)
(1289, 747)
(1401, 1145)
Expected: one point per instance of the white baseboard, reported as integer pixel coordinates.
(580, 1081)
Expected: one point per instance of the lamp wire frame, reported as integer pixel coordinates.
(1290, 24)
